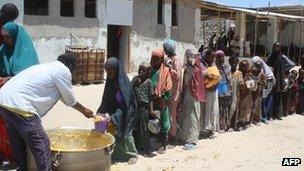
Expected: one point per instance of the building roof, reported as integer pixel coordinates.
(291, 9)
(256, 12)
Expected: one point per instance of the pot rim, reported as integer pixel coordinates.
(82, 129)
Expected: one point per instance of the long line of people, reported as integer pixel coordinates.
(206, 94)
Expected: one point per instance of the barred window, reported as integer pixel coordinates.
(67, 8)
(36, 7)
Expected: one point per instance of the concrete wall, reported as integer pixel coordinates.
(51, 33)
(147, 35)
(188, 21)
(19, 4)
(241, 29)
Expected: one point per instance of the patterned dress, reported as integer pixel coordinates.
(224, 93)
(143, 95)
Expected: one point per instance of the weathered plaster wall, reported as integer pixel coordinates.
(188, 21)
(145, 19)
(147, 35)
(51, 33)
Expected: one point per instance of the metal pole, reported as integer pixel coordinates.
(204, 32)
(255, 33)
(266, 40)
(289, 41)
(293, 40)
(229, 35)
(301, 30)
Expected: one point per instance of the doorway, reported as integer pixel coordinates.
(118, 44)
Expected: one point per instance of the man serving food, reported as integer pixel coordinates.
(27, 97)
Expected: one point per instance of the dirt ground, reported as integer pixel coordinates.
(258, 148)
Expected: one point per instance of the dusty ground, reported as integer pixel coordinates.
(258, 148)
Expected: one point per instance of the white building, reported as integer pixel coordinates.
(128, 29)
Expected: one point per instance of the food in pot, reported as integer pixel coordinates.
(78, 140)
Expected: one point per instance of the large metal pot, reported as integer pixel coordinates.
(91, 159)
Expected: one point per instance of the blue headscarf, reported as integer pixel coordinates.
(169, 47)
(22, 55)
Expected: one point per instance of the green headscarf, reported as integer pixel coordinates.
(22, 55)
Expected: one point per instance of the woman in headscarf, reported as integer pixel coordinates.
(224, 91)
(8, 13)
(17, 52)
(176, 70)
(161, 81)
(193, 96)
(144, 91)
(267, 92)
(118, 102)
(236, 82)
(210, 117)
(281, 66)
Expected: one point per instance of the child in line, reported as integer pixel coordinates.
(259, 84)
(246, 96)
(143, 94)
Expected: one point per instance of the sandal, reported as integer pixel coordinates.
(189, 146)
(230, 130)
(221, 131)
(162, 150)
(132, 160)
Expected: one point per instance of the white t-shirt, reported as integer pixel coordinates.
(38, 88)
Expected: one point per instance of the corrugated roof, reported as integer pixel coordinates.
(248, 11)
(265, 13)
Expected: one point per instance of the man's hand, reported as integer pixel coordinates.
(88, 113)
(85, 111)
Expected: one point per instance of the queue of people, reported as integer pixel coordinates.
(195, 99)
